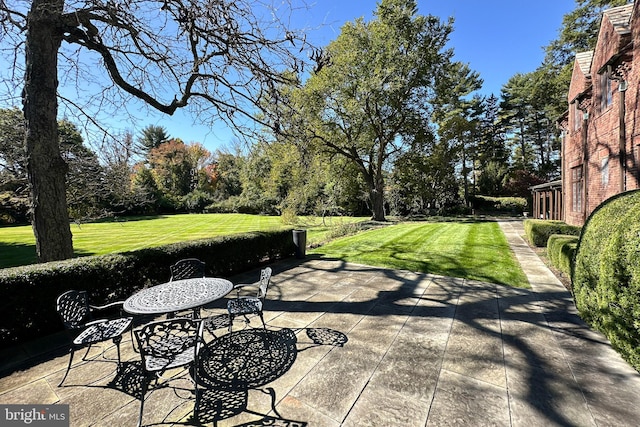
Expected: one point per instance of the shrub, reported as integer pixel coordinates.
(500, 205)
(561, 251)
(538, 230)
(606, 277)
(28, 293)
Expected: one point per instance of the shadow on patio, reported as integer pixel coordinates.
(356, 345)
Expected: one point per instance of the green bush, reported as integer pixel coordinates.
(561, 250)
(538, 230)
(606, 276)
(500, 205)
(28, 293)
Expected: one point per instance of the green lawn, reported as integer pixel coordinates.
(474, 250)
(470, 249)
(17, 244)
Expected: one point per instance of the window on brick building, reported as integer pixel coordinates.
(577, 116)
(604, 171)
(576, 189)
(605, 95)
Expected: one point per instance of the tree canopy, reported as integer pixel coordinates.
(373, 95)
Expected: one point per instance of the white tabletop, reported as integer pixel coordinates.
(177, 295)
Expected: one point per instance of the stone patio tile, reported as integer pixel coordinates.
(337, 380)
(293, 409)
(37, 391)
(547, 395)
(380, 407)
(90, 404)
(463, 401)
(527, 344)
(476, 351)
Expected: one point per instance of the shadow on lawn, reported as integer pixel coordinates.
(15, 255)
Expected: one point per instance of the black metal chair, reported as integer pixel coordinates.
(165, 345)
(248, 305)
(77, 315)
(188, 268)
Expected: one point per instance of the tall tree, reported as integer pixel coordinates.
(217, 56)
(372, 90)
(172, 167)
(84, 180)
(493, 155)
(458, 118)
(515, 113)
(125, 193)
(529, 109)
(152, 136)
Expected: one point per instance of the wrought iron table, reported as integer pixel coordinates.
(178, 295)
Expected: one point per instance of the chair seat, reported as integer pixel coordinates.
(159, 363)
(244, 305)
(102, 330)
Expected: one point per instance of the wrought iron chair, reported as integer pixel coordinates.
(165, 345)
(247, 305)
(76, 314)
(188, 268)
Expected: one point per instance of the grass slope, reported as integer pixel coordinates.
(473, 250)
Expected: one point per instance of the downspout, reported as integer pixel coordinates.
(585, 164)
(563, 177)
(622, 133)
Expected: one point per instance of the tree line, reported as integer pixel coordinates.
(382, 120)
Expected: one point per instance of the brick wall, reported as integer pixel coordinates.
(601, 175)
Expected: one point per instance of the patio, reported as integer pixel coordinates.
(396, 348)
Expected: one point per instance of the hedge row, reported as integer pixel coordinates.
(561, 251)
(28, 294)
(606, 278)
(500, 205)
(538, 230)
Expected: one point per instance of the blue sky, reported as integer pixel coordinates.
(497, 38)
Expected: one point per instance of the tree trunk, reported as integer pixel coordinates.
(376, 193)
(45, 166)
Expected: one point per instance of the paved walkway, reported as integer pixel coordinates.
(420, 350)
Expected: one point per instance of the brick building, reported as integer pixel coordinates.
(601, 129)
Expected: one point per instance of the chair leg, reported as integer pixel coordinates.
(117, 340)
(145, 388)
(86, 353)
(71, 351)
(231, 317)
(264, 325)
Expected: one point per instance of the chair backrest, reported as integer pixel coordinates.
(265, 280)
(188, 268)
(171, 343)
(73, 308)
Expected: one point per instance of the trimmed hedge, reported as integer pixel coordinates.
(539, 230)
(606, 276)
(500, 205)
(561, 250)
(28, 294)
